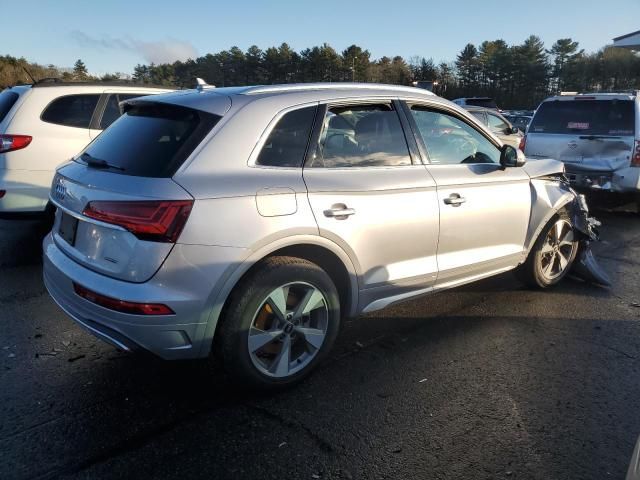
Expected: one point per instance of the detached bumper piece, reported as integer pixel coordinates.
(586, 266)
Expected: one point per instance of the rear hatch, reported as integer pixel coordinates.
(593, 134)
(119, 211)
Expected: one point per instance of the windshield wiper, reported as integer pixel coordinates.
(98, 163)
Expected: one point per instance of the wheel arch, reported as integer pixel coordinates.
(319, 250)
(547, 200)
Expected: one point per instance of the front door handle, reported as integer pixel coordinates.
(455, 200)
(339, 211)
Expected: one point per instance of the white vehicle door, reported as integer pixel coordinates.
(484, 208)
(371, 195)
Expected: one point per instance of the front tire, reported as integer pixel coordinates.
(280, 323)
(552, 255)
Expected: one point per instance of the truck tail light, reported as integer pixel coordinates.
(9, 143)
(635, 159)
(523, 143)
(157, 221)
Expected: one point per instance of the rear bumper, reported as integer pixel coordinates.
(171, 337)
(624, 180)
(26, 191)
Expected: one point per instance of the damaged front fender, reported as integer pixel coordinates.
(551, 191)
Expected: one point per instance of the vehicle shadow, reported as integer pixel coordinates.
(21, 242)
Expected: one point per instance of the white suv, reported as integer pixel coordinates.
(44, 125)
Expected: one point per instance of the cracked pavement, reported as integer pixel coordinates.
(489, 380)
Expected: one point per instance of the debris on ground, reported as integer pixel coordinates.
(282, 444)
(78, 357)
(359, 345)
(423, 380)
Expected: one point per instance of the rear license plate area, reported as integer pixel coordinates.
(68, 228)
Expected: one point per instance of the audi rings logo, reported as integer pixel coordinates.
(60, 191)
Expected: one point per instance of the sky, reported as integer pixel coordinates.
(115, 35)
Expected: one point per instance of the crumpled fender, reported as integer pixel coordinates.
(547, 201)
(585, 265)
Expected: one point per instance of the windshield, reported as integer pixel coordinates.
(7, 100)
(150, 140)
(585, 117)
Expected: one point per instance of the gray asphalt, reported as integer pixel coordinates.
(486, 381)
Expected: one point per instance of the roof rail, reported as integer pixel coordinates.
(58, 82)
(298, 87)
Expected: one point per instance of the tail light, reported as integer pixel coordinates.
(122, 305)
(523, 143)
(635, 160)
(9, 143)
(158, 221)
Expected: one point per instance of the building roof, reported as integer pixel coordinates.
(630, 40)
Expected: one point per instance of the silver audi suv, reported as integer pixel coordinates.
(247, 222)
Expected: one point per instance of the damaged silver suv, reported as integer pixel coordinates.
(248, 222)
(596, 136)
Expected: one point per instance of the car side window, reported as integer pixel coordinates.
(287, 143)
(496, 123)
(111, 112)
(112, 109)
(71, 110)
(362, 136)
(449, 140)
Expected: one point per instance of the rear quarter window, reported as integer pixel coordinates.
(71, 110)
(585, 117)
(7, 100)
(151, 139)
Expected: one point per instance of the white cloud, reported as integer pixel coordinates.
(161, 51)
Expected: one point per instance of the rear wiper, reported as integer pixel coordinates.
(596, 137)
(98, 163)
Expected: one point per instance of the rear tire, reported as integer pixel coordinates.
(552, 255)
(280, 322)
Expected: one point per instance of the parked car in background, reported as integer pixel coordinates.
(247, 222)
(597, 136)
(486, 102)
(45, 124)
(499, 125)
(518, 120)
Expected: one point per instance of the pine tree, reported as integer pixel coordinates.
(80, 71)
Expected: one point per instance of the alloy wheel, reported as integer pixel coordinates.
(288, 329)
(557, 250)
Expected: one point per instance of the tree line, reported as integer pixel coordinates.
(517, 76)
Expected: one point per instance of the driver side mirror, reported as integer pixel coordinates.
(511, 157)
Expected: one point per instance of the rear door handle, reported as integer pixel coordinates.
(339, 211)
(455, 200)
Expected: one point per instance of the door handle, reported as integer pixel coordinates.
(455, 200)
(339, 211)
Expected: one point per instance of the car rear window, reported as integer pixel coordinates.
(151, 139)
(71, 110)
(7, 100)
(585, 117)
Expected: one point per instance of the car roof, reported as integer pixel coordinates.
(219, 100)
(593, 96)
